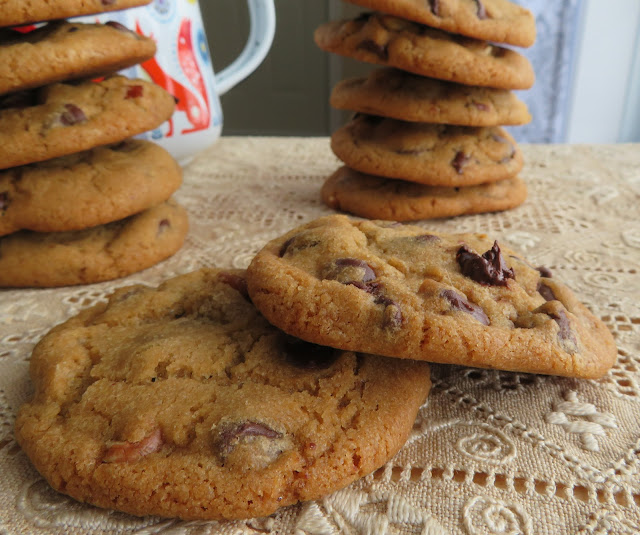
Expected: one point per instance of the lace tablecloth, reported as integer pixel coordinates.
(491, 452)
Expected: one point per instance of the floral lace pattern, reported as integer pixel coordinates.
(491, 452)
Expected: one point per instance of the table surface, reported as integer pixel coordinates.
(491, 452)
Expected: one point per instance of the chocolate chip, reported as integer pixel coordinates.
(490, 268)
(435, 7)
(545, 272)
(118, 26)
(72, 115)
(480, 106)
(460, 161)
(163, 225)
(426, 238)
(481, 12)
(512, 149)
(307, 355)
(134, 91)
(565, 334)
(300, 244)
(371, 46)
(4, 201)
(231, 435)
(349, 271)
(108, 2)
(392, 316)
(460, 302)
(546, 292)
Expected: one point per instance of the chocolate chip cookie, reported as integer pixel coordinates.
(401, 95)
(18, 12)
(62, 119)
(183, 401)
(95, 254)
(410, 46)
(406, 292)
(397, 200)
(87, 188)
(432, 154)
(499, 21)
(61, 51)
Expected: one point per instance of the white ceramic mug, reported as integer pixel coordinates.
(183, 67)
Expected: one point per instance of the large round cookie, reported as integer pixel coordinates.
(410, 46)
(18, 12)
(88, 188)
(375, 197)
(402, 95)
(499, 21)
(63, 119)
(95, 254)
(183, 401)
(432, 154)
(405, 292)
(61, 51)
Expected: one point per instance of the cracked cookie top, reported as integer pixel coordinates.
(404, 292)
(184, 401)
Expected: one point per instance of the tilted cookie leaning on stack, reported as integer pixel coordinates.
(426, 140)
(79, 201)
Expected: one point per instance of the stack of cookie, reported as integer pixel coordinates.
(195, 399)
(426, 140)
(80, 202)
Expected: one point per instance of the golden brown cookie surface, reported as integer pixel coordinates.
(184, 401)
(413, 47)
(375, 197)
(87, 188)
(62, 51)
(105, 252)
(453, 298)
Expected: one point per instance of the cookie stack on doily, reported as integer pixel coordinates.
(80, 202)
(426, 140)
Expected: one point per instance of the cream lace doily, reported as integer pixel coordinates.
(491, 452)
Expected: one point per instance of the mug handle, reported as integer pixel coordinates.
(263, 26)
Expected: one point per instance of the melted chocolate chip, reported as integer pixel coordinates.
(503, 140)
(460, 161)
(546, 292)
(481, 12)
(72, 115)
(163, 225)
(426, 238)
(108, 2)
(435, 7)
(4, 201)
(117, 26)
(460, 302)
(565, 334)
(545, 272)
(371, 46)
(134, 91)
(288, 246)
(392, 315)
(490, 268)
(230, 435)
(349, 271)
(307, 355)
